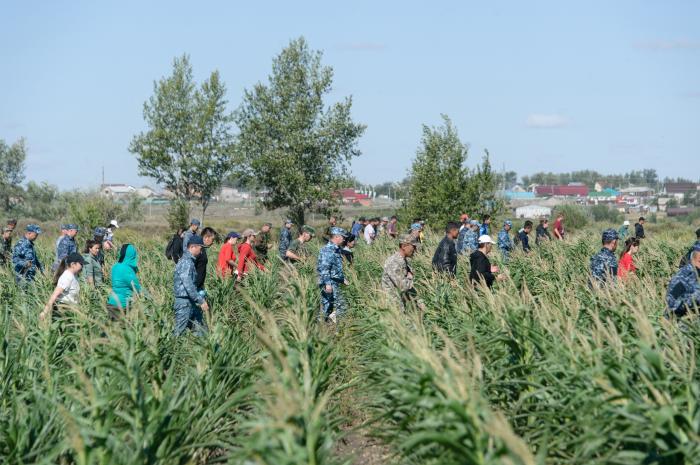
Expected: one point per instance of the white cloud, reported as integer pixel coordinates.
(672, 44)
(542, 120)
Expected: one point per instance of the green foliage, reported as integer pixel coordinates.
(178, 214)
(575, 216)
(11, 172)
(646, 177)
(603, 213)
(42, 202)
(89, 210)
(290, 141)
(189, 145)
(441, 187)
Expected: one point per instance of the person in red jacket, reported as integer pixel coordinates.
(246, 256)
(226, 264)
(626, 264)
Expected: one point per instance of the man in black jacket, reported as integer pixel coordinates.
(639, 228)
(200, 263)
(480, 265)
(445, 257)
(523, 236)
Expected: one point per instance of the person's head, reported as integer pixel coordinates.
(6, 232)
(464, 218)
(394, 219)
(631, 246)
(486, 244)
(610, 238)
(507, 225)
(180, 231)
(332, 220)
(288, 223)
(486, 219)
(129, 256)
(249, 235)
(195, 245)
(408, 245)
(93, 247)
(113, 224)
(72, 230)
(307, 232)
(452, 230)
(64, 230)
(384, 220)
(626, 223)
(416, 228)
(560, 215)
(641, 220)
(337, 235)
(349, 241)
(73, 262)
(695, 257)
(98, 233)
(32, 231)
(266, 227)
(527, 227)
(544, 222)
(232, 237)
(208, 236)
(11, 224)
(474, 225)
(194, 224)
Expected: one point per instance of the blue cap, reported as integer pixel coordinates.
(610, 235)
(416, 226)
(99, 231)
(195, 240)
(33, 228)
(232, 235)
(288, 221)
(473, 222)
(195, 222)
(696, 247)
(508, 223)
(72, 226)
(336, 231)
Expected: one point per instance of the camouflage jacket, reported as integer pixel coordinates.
(262, 241)
(65, 247)
(186, 238)
(684, 290)
(505, 243)
(285, 239)
(184, 280)
(395, 276)
(604, 266)
(330, 265)
(467, 241)
(24, 253)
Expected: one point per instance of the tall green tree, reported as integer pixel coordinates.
(292, 143)
(12, 159)
(483, 186)
(189, 145)
(439, 180)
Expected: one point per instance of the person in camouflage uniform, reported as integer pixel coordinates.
(190, 233)
(262, 242)
(397, 277)
(332, 221)
(67, 245)
(467, 241)
(189, 304)
(505, 243)
(6, 246)
(331, 276)
(25, 261)
(285, 238)
(296, 251)
(604, 263)
(683, 294)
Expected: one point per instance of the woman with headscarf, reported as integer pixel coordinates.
(125, 281)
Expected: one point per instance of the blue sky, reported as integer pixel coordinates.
(544, 85)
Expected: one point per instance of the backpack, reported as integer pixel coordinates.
(516, 238)
(170, 248)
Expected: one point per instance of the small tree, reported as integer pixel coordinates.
(294, 145)
(189, 145)
(483, 186)
(11, 171)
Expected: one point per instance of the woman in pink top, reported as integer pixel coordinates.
(626, 261)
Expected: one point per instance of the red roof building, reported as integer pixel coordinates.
(350, 197)
(565, 191)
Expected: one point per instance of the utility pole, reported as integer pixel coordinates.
(103, 177)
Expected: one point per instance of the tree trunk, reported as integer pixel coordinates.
(296, 214)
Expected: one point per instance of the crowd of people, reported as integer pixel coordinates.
(242, 253)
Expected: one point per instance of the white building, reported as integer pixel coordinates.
(533, 211)
(117, 191)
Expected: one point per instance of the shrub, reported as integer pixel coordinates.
(603, 213)
(575, 217)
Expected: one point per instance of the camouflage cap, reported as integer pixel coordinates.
(610, 235)
(473, 222)
(336, 231)
(409, 239)
(308, 229)
(99, 231)
(34, 228)
(72, 226)
(416, 226)
(508, 223)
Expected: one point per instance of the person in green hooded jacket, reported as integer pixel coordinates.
(125, 281)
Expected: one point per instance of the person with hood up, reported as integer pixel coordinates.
(125, 282)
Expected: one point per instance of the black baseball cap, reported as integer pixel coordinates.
(74, 258)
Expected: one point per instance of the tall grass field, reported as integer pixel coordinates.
(543, 370)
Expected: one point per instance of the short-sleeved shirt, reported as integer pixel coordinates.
(559, 226)
(71, 289)
(297, 248)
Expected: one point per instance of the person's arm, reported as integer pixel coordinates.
(242, 257)
(52, 300)
(484, 270)
(189, 287)
(292, 255)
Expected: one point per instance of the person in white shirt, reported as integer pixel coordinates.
(67, 285)
(370, 231)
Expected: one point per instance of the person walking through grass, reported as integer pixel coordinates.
(200, 264)
(559, 227)
(66, 245)
(542, 232)
(246, 256)
(296, 251)
(485, 225)
(481, 269)
(445, 256)
(624, 230)
(226, 264)
(262, 244)
(6, 246)
(125, 282)
(190, 233)
(25, 261)
(683, 294)
(392, 228)
(331, 276)
(189, 305)
(98, 235)
(347, 247)
(67, 287)
(108, 243)
(685, 259)
(524, 236)
(604, 264)
(285, 238)
(397, 276)
(626, 264)
(332, 223)
(505, 243)
(174, 249)
(639, 228)
(92, 268)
